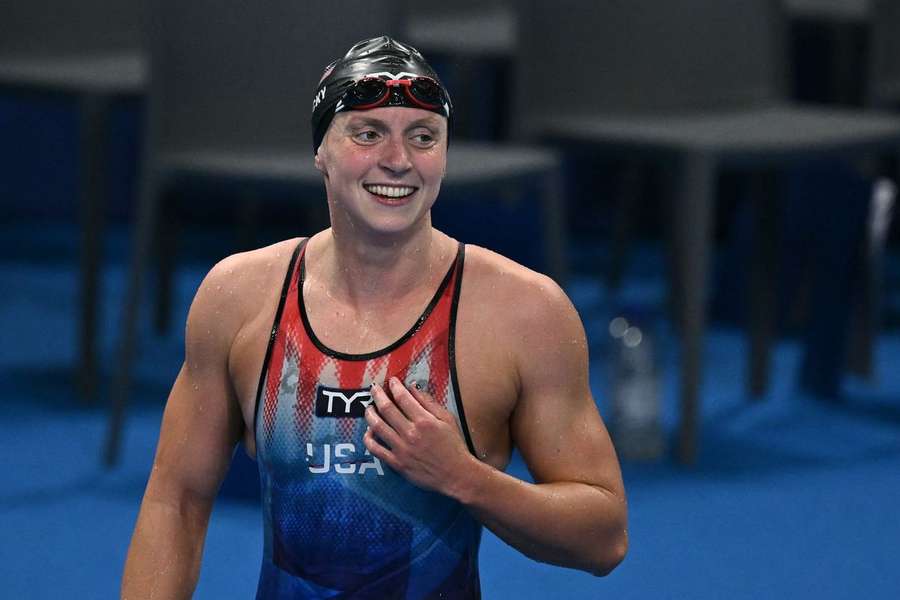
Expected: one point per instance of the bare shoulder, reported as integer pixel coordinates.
(522, 324)
(503, 284)
(230, 294)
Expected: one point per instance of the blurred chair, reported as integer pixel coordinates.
(883, 72)
(844, 24)
(91, 51)
(470, 27)
(864, 54)
(881, 91)
(477, 42)
(229, 103)
(861, 53)
(695, 87)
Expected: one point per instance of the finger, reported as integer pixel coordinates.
(411, 407)
(381, 428)
(430, 404)
(388, 410)
(378, 450)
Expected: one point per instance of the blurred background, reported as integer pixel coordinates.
(711, 181)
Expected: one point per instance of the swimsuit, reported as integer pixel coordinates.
(338, 522)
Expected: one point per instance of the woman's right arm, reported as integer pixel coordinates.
(201, 426)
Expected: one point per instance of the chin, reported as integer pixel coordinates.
(382, 219)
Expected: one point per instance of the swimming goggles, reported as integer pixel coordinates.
(417, 92)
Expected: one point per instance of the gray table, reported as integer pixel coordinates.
(96, 81)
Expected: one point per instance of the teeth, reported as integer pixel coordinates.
(390, 191)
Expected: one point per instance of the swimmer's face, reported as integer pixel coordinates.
(383, 167)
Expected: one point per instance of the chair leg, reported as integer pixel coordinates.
(142, 240)
(842, 211)
(763, 296)
(93, 132)
(863, 320)
(867, 310)
(691, 238)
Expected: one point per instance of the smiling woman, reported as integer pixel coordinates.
(348, 384)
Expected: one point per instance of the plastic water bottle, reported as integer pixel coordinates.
(635, 389)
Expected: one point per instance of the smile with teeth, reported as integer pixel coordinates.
(390, 191)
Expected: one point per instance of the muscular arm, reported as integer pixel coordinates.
(575, 513)
(201, 426)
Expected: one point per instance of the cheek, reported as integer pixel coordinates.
(433, 167)
(351, 167)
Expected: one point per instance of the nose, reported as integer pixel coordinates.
(395, 155)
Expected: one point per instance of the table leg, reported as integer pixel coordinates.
(93, 132)
(763, 296)
(691, 236)
(142, 240)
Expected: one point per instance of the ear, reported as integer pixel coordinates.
(319, 163)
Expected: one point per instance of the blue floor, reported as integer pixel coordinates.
(791, 497)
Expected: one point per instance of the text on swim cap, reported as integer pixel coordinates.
(320, 95)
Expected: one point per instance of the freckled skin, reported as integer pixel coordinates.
(521, 361)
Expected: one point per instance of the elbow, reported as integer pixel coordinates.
(610, 556)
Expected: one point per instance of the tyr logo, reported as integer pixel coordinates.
(320, 95)
(335, 402)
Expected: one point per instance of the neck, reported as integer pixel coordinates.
(368, 271)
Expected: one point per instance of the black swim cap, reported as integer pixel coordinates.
(381, 57)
